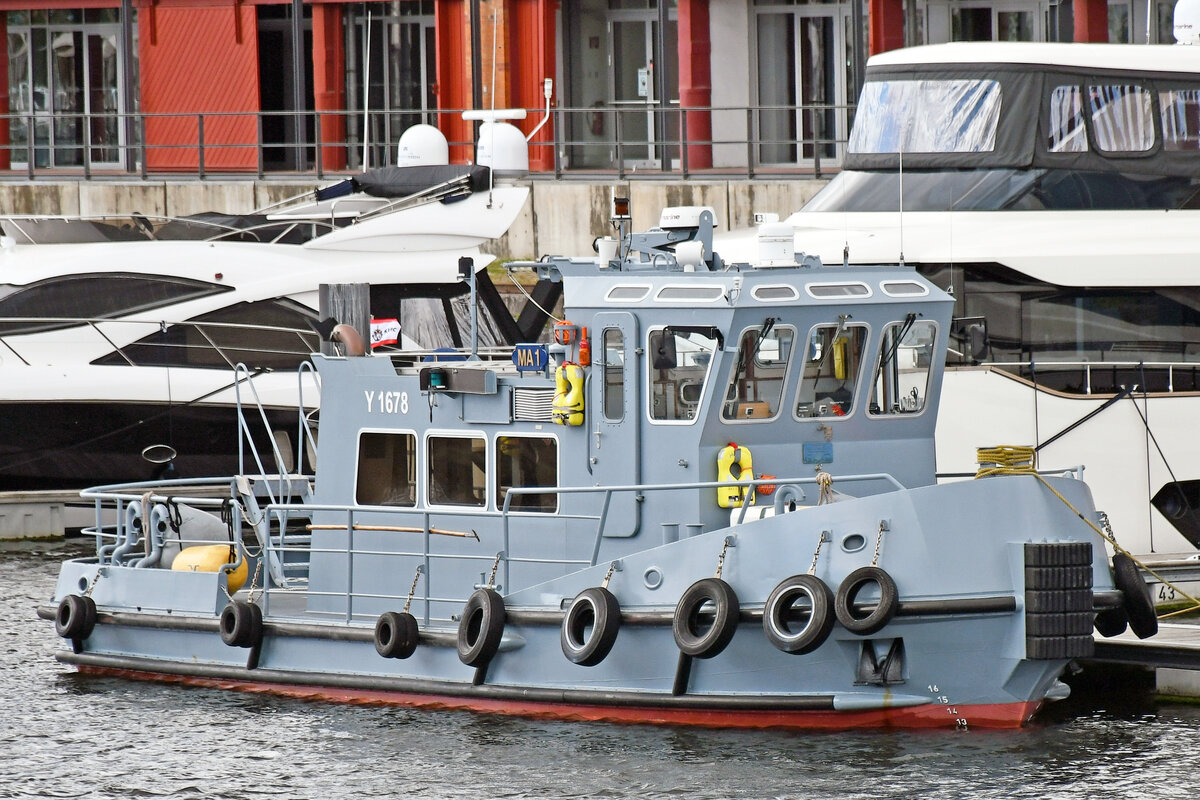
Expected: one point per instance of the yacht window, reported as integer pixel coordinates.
(901, 381)
(270, 334)
(679, 363)
(823, 291)
(926, 116)
(904, 288)
(1180, 112)
(457, 471)
(525, 461)
(614, 375)
(1122, 120)
(1065, 122)
(94, 297)
(387, 473)
(831, 366)
(756, 385)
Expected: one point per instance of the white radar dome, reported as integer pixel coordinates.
(1187, 22)
(502, 147)
(422, 146)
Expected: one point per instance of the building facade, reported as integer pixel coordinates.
(261, 85)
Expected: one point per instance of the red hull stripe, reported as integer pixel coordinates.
(992, 715)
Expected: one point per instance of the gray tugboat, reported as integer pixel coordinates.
(709, 500)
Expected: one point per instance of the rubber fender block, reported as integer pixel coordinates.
(1058, 577)
(1074, 623)
(1058, 554)
(1057, 600)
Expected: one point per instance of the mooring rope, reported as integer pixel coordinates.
(1019, 460)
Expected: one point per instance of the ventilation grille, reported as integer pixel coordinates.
(532, 405)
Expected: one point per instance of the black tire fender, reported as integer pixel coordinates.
(1111, 622)
(847, 593)
(241, 624)
(595, 608)
(1138, 605)
(480, 628)
(396, 634)
(691, 639)
(779, 606)
(76, 617)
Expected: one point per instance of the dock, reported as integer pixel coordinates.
(1173, 654)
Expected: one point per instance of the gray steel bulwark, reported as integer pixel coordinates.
(574, 540)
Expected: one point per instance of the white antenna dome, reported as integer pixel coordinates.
(1187, 22)
(422, 145)
(502, 147)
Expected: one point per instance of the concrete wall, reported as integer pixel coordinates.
(562, 217)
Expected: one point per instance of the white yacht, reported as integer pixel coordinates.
(1054, 190)
(118, 342)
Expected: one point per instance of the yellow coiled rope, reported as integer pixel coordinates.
(1020, 460)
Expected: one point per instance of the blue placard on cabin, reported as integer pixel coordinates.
(530, 357)
(818, 452)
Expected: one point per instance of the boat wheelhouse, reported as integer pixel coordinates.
(710, 500)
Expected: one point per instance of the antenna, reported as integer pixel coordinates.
(900, 147)
(367, 93)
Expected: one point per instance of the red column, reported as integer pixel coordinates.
(886, 26)
(199, 59)
(695, 80)
(1091, 20)
(5, 139)
(530, 40)
(452, 28)
(329, 83)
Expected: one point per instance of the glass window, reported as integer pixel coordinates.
(457, 471)
(1121, 118)
(901, 382)
(926, 116)
(1180, 112)
(525, 461)
(269, 334)
(1118, 23)
(387, 474)
(614, 375)
(1014, 26)
(831, 366)
(756, 385)
(1065, 121)
(680, 359)
(93, 297)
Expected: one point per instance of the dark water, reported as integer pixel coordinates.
(67, 736)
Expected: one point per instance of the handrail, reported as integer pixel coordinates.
(235, 149)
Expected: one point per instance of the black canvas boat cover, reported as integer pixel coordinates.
(404, 181)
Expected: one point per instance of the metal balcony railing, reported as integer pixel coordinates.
(628, 141)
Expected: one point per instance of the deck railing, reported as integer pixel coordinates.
(632, 142)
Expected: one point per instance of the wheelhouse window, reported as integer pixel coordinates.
(832, 359)
(680, 359)
(269, 334)
(1122, 118)
(926, 116)
(756, 385)
(387, 474)
(901, 381)
(614, 374)
(458, 471)
(93, 296)
(523, 462)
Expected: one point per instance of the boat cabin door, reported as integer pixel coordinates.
(614, 434)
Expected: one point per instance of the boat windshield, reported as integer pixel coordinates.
(926, 116)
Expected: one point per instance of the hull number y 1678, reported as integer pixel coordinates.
(382, 402)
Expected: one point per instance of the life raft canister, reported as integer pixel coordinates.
(567, 408)
(730, 458)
